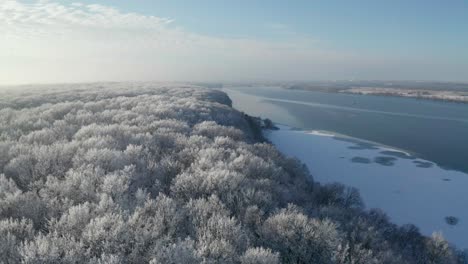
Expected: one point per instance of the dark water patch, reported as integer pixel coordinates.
(397, 154)
(446, 179)
(451, 220)
(385, 161)
(358, 143)
(296, 129)
(423, 164)
(360, 160)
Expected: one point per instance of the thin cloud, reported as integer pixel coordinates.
(59, 40)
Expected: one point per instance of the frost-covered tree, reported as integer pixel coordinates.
(300, 239)
(260, 256)
(12, 234)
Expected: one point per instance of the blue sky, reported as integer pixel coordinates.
(364, 39)
(374, 25)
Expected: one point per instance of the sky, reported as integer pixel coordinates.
(49, 41)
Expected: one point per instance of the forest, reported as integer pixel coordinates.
(166, 173)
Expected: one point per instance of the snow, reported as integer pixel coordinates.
(456, 96)
(408, 189)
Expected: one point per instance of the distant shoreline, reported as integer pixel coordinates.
(446, 96)
(446, 92)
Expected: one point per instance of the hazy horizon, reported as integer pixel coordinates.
(44, 42)
(223, 82)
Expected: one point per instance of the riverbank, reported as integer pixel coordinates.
(448, 96)
(428, 90)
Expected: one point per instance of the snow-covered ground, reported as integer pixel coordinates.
(408, 189)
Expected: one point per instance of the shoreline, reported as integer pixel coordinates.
(434, 91)
(441, 96)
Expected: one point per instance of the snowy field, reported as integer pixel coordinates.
(408, 189)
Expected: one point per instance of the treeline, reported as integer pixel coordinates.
(134, 173)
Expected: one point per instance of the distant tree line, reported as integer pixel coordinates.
(134, 173)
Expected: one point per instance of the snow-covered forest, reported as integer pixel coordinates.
(146, 173)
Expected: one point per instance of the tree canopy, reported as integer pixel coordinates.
(147, 173)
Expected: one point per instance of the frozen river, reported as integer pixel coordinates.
(406, 185)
